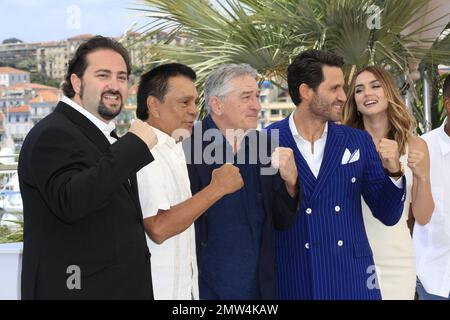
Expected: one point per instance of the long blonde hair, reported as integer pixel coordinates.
(401, 123)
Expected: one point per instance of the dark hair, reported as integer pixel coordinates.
(307, 68)
(154, 83)
(446, 87)
(78, 63)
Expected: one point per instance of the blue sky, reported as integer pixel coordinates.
(47, 20)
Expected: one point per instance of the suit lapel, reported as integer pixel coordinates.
(87, 127)
(206, 169)
(99, 139)
(331, 157)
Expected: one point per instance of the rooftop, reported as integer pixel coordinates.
(46, 96)
(86, 36)
(10, 70)
(35, 86)
(19, 109)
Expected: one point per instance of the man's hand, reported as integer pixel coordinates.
(388, 151)
(144, 132)
(283, 159)
(227, 179)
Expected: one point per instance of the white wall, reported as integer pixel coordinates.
(10, 270)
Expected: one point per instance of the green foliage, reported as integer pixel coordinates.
(42, 78)
(268, 33)
(11, 235)
(437, 104)
(12, 40)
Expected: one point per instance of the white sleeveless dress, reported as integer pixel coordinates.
(393, 249)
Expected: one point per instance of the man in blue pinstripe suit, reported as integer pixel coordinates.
(326, 254)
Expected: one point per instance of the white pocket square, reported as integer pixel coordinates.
(349, 157)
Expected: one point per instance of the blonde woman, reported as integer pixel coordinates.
(375, 105)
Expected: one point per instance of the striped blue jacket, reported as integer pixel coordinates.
(326, 254)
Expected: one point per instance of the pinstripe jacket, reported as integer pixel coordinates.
(326, 254)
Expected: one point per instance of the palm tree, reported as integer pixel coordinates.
(268, 33)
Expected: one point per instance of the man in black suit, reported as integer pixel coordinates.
(83, 234)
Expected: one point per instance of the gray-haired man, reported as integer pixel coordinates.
(235, 236)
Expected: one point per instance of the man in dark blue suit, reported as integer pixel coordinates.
(326, 254)
(235, 236)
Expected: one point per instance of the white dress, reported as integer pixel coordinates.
(393, 249)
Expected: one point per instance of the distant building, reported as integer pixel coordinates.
(18, 123)
(43, 103)
(2, 126)
(128, 114)
(52, 59)
(139, 46)
(275, 111)
(11, 76)
(74, 42)
(19, 53)
(12, 98)
(275, 104)
(20, 94)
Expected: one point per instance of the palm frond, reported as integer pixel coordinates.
(268, 33)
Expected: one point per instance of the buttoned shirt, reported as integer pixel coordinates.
(314, 159)
(432, 241)
(163, 184)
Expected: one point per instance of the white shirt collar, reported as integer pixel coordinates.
(106, 128)
(314, 160)
(295, 132)
(444, 140)
(164, 138)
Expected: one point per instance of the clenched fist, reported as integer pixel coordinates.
(227, 178)
(416, 161)
(283, 159)
(144, 132)
(390, 157)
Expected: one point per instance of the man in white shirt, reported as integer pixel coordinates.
(432, 241)
(167, 101)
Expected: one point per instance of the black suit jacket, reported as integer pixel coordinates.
(279, 206)
(81, 209)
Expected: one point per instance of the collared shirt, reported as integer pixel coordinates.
(432, 241)
(105, 128)
(230, 261)
(314, 160)
(163, 184)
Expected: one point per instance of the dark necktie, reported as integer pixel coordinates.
(114, 134)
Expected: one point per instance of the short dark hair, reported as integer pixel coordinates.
(154, 83)
(78, 63)
(307, 68)
(446, 87)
